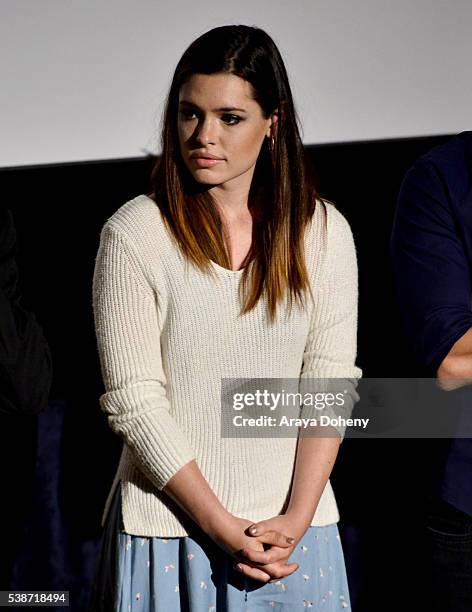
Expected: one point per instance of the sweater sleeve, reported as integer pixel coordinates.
(126, 311)
(331, 346)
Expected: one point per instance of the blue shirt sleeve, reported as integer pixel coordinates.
(431, 268)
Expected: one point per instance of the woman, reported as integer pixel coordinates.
(209, 277)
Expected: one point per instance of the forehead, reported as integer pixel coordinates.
(218, 91)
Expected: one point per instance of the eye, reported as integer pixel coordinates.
(187, 114)
(231, 119)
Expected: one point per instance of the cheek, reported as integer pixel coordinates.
(182, 134)
(249, 144)
(185, 130)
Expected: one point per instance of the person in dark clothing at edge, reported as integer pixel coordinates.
(25, 380)
(432, 262)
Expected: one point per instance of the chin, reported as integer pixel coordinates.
(203, 183)
(207, 177)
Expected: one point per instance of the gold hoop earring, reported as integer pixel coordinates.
(272, 144)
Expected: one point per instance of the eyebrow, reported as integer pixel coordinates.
(225, 109)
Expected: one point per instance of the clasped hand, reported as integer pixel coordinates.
(262, 555)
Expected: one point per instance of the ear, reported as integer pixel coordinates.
(272, 129)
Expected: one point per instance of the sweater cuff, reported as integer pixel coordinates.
(138, 416)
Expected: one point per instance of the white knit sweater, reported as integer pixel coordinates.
(167, 333)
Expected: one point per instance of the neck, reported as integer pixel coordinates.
(232, 201)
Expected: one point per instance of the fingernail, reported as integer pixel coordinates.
(290, 540)
(239, 567)
(253, 529)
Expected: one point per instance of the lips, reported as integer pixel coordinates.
(205, 162)
(205, 156)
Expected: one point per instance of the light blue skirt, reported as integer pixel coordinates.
(193, 574)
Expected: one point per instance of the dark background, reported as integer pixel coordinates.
(380, 485)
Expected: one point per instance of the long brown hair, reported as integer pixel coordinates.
(282, 196)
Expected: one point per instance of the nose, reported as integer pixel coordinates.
(206, 132)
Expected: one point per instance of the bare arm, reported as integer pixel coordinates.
(315, 460)
(455, 370)
(328, 362)
(190, 490)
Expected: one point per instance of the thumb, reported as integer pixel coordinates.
(266, 533)
(257, 528)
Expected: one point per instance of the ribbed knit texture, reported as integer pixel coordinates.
(167, 333)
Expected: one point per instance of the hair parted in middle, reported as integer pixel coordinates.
(283, 194)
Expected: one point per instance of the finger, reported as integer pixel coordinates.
(256, 528)
(277, 571)
(273, 555)
(259, 528)
(263, 528)
(252, 572)
(288, 569)
(275, 538)
(274, 571)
